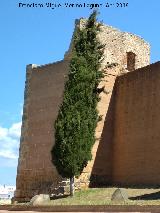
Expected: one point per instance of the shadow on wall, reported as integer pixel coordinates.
(101, 174)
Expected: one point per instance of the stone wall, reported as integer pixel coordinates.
(137, 128)
(43, 96)
(117, 46)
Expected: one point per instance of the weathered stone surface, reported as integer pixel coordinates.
(39, 199)
(137, 128)
(119, 195)
(43, 95)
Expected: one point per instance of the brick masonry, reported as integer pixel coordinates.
(43, 95)
(44, 88)
(137, 128)
(118, 45)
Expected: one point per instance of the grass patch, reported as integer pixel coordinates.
(5, 201)
(102, 196)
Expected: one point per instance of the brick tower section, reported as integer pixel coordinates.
(123, 52)
(43, 95)
(137, 128)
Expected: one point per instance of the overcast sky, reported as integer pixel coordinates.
(41, 35)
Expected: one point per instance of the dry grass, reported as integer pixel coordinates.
(5, 201)
(102, 196)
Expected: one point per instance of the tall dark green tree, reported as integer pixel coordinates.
(78, 116)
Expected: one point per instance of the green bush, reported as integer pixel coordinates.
(78, 116)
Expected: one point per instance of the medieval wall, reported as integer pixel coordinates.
(43, 95)
(137, 128)
(117, 46)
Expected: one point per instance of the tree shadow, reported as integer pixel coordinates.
(56, 197)
(101, 174)
(151, 196)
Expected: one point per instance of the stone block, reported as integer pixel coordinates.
(39, 200)
(119, 195)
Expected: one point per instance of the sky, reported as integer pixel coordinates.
(41, 35)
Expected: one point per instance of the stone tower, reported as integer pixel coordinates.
(44, 86)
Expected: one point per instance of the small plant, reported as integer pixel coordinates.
(111, 65)
(100, 117)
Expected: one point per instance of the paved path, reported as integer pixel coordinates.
(4, 211)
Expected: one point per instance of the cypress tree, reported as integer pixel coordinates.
(78, 116)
